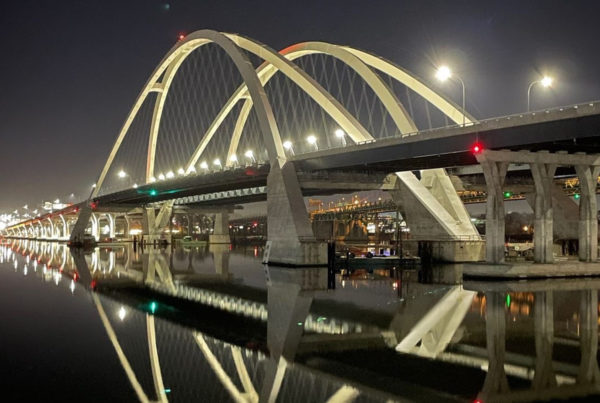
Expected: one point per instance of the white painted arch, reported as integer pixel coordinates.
(253, 92)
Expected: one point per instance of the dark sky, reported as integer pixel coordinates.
(70, 70)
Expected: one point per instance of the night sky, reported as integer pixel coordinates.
(70, 70)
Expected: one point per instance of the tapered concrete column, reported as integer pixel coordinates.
(153, 224)
(221, 229)
(290, 237)
(495, 382)
(111, 224)
(495, 174)
(588, 340)
(588, 212)
(543, 236)
(220, 255)
(544, 376)
(289, 298)
(190, 224)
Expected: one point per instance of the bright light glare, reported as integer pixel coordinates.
(233, 158)
(122, 313)
(249, 154)
(152, 179)
(135, 185)
(287, 145)
(443, 73)
(204, 165)
(181, 171)
(122, 174)
(170, 174)
(217, 162)
(311, 139)
(161, 177)
(339, 133)
(546, 81)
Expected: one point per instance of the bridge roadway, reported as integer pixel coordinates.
(572, 129)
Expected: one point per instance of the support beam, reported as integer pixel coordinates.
(290, 237)
(543, 236)
(544, 376)
(495, 174)
(588, 212)
(221, 229)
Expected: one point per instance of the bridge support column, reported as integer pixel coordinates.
(588, 341)
(221, 229)
(190, 224)
(85, 213)
(220, 253)
(495, 382)
(291, 241)
(588, 212)
(543, 236)
(434, 212)
(495, 174)
(153, 224)
(544, 376)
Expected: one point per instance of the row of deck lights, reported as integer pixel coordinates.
(249, 154)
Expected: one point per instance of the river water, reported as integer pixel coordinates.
(213, 324)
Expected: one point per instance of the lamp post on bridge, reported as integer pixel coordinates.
(443, 73)
(546, 82)
(289, 146)
(340, 134)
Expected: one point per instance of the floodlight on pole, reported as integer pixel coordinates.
(444, 73)
(250, 155)
(289, 146)
(340, 134)
(313, 141)
(545, 82)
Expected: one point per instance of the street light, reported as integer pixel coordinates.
(340, 134)
(288, 146)
(443, 73)
(313, 140)
(249, 154)
(546, 82)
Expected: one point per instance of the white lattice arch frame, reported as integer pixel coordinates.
(253, 89)
(362, 63)
(231, 44)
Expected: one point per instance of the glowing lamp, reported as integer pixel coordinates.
(476, 148)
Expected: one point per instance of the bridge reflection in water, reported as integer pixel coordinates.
(213, 324)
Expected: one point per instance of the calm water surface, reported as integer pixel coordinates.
(213, 324)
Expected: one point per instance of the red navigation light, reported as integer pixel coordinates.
(94, 205)
(180, 37)
(476, 148)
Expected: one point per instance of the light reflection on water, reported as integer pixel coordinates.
(218, 325)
